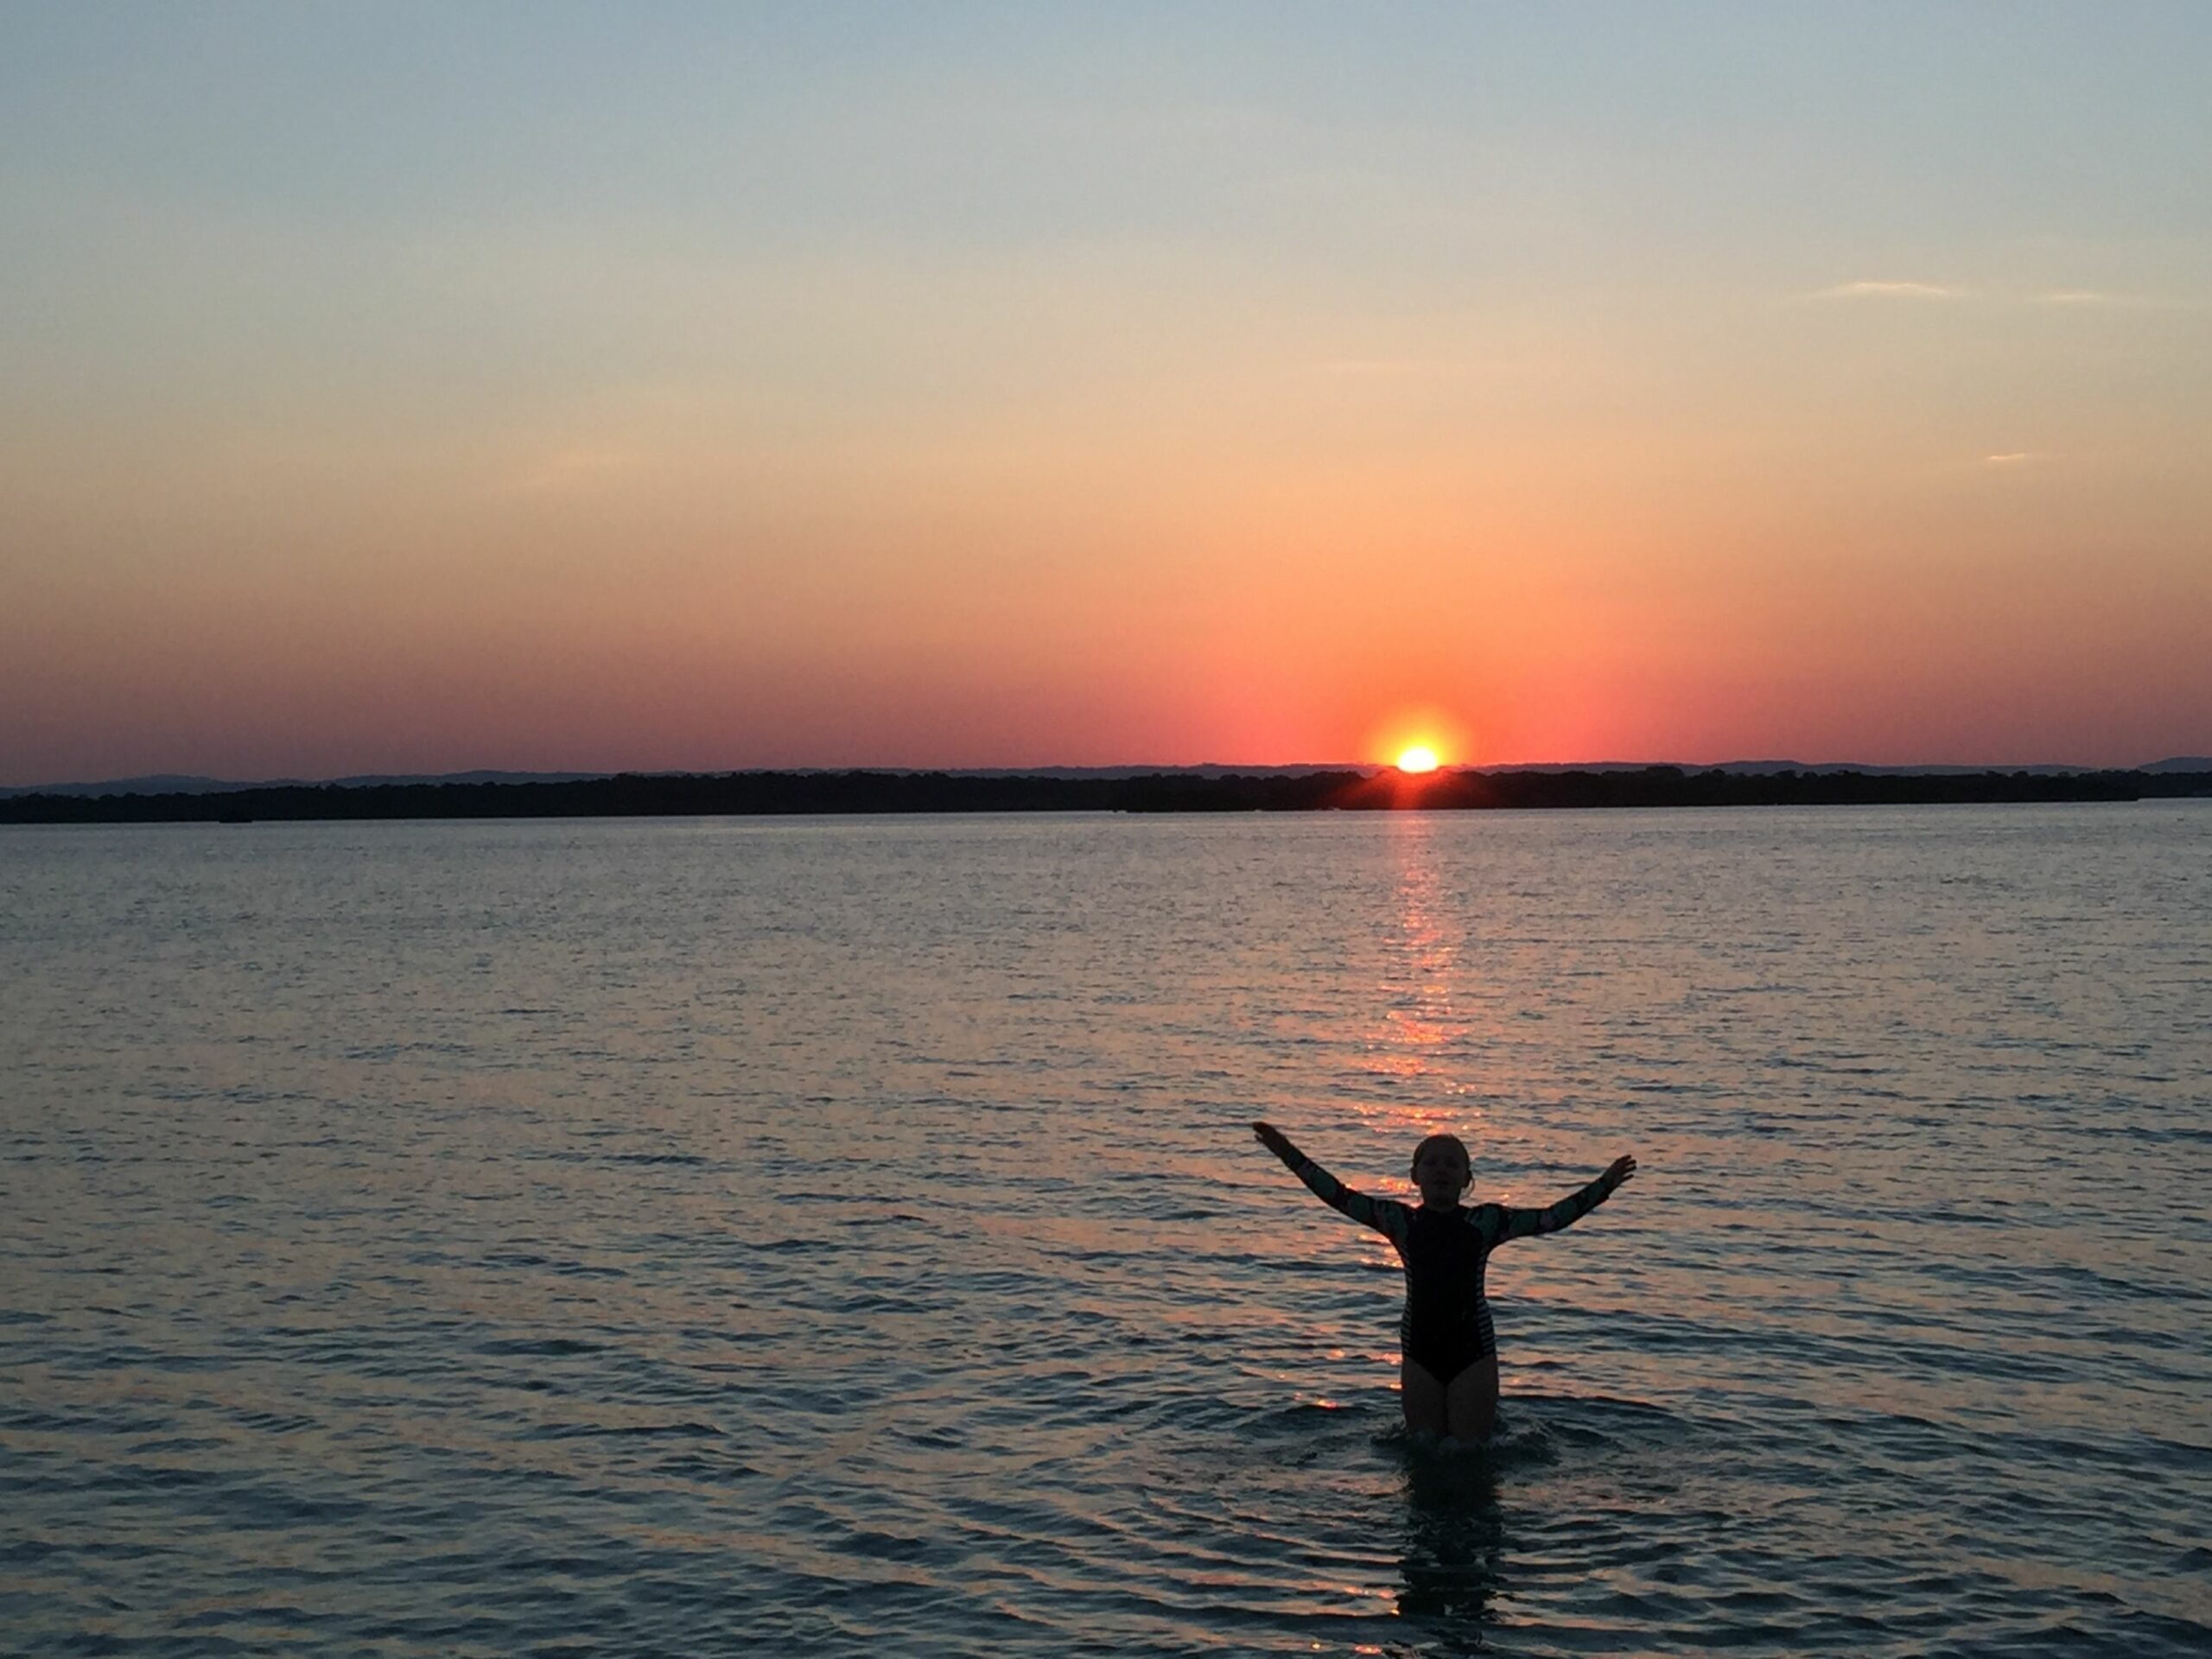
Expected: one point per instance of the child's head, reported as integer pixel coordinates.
(1441, 1168)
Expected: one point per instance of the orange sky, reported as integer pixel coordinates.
(1054, 403)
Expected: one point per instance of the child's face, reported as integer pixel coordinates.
(1441, 1173)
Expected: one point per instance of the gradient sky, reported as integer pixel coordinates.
(414, 388)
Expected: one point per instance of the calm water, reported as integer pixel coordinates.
(626, 1238)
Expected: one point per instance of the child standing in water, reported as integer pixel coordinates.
(1448, 1371)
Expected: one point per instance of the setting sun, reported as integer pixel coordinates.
(1417, 758)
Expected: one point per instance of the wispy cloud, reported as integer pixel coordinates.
(2101, 297)
(2012, 458)
(1889, 291)
(1888, 288)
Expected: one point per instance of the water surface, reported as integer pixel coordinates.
(658, 1237)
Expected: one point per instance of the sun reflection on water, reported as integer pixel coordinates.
(1417, 1038)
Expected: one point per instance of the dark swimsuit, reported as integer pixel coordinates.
(1446, 1326)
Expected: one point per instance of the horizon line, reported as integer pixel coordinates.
(192, 781)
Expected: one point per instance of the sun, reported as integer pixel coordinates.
(1415, 740)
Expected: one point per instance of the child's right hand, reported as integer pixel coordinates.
(1621, 1169)
(1274, 1140)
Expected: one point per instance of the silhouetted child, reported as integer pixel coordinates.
(1448, 1370)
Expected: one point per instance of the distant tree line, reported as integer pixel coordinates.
(758, 793)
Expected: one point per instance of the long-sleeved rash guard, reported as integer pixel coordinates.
(1446, 1326)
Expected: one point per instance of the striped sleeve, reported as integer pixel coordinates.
(1386, 1216)
(1499, 1222)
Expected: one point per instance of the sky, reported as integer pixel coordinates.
(415, 388)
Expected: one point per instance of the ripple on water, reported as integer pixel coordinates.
(844, 1238)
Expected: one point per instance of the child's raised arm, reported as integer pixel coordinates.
(1520, 1223)
(1385, 1216)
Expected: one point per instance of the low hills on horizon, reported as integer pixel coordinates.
(182, 783)
(1178, 790)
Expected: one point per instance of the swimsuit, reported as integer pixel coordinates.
(1446, 1326)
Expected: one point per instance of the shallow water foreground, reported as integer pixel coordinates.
(665, 1238)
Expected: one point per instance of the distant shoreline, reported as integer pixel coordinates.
(759, 794)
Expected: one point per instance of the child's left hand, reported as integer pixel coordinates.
(1621, 1169)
